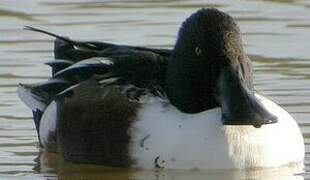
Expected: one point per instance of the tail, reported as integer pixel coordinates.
(89, 46)
(33, 99)
(51, 34)
(38, 96)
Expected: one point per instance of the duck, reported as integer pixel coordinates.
(190, 107)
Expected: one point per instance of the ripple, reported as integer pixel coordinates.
(275, 34)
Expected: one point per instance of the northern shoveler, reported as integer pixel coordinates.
(190, 107)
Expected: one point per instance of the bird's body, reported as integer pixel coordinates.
(193, 107)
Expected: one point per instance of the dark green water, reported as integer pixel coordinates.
(276, 35)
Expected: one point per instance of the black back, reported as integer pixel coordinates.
(142, 67)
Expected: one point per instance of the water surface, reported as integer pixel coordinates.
(276, 35)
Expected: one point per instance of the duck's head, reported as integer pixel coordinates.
(210, 69)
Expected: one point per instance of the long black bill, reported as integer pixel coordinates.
(239, 104)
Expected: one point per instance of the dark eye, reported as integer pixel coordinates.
(198, 51)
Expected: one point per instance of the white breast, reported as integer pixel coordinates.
(165, 137)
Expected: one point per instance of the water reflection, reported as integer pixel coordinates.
(50, 164)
